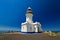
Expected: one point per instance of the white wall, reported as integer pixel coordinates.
(24, 28)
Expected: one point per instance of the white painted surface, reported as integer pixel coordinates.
(29, 26)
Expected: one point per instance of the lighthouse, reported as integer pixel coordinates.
(29, 15)
(29, 26)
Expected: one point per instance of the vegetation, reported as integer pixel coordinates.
(39, 36)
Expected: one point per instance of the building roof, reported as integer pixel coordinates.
(29, 7)
(29, 10)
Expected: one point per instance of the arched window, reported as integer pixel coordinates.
(34, 29)
(30, 28)
(23, 27)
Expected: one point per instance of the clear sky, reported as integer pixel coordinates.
(12, 13)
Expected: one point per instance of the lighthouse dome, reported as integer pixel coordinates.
(29, 10)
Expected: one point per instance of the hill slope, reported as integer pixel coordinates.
(40, 36)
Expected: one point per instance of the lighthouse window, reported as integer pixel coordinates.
(30, 27)
(34, 28)
(23, 27)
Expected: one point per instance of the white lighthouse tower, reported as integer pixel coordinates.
(29, 15)
(29, 26)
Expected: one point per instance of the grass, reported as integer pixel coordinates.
(17, 36)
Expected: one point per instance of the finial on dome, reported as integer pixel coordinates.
(29, 7)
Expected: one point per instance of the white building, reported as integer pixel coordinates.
(29, 26)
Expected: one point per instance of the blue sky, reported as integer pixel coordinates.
(12, 13)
